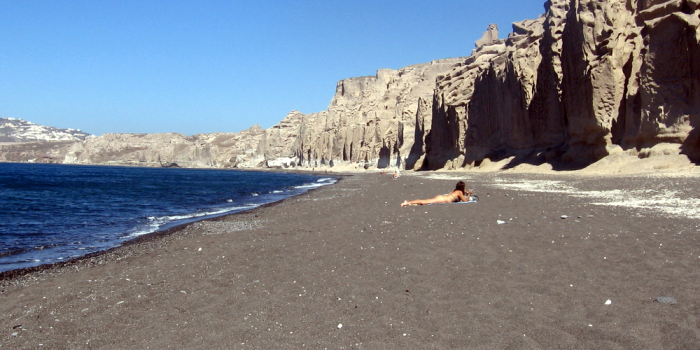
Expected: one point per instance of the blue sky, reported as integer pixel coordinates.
(216, 66)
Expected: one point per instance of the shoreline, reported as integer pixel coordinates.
(11, 277)
(344, 266)
(95, 258)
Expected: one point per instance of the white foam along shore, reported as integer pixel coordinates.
(157, 224)
(160, 223)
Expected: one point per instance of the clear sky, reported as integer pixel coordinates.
(140, 66)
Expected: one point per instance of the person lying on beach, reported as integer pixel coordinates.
(459, 194)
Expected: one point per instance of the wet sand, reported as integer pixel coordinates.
(541, 262)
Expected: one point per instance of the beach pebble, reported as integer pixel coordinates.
(666, 300)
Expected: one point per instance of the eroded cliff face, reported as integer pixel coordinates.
(572, 85)
(203, 150)
(371, 121)
(586, 79)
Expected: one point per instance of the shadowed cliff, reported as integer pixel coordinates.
(580, 82)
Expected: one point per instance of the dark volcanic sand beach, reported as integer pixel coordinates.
(345, 267)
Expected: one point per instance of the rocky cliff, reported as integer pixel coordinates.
(24, 141)
(370, 122)
(171, 149)
(583, 81)
(587, 79)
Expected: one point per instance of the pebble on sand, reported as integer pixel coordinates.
(666, 300)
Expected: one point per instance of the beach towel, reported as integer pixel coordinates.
(473, 199)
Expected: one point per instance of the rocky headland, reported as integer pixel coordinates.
(588, 82)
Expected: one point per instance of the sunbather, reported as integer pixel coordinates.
(459, 194)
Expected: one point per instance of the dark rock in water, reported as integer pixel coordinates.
(666, 300)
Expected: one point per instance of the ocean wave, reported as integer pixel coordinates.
(319, 183)
(158, 223)
(97, 208)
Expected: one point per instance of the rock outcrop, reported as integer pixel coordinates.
(587, 79)
(371, 121)
(53, 152)
(23, 141)
(489, 37)
(583, 79)
(171, 149)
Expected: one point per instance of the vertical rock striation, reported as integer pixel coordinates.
(584, 80)
(587, 76)
(371, 121)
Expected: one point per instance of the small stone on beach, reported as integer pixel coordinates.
(666, 300)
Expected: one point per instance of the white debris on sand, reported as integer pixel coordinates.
(666, 202)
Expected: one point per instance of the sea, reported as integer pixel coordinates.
(51, 213)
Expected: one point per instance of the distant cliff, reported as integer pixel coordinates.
(18, 130)
(215, 150)
(23, 141)
(585, 80)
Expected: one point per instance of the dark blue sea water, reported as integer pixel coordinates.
(51, 213)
